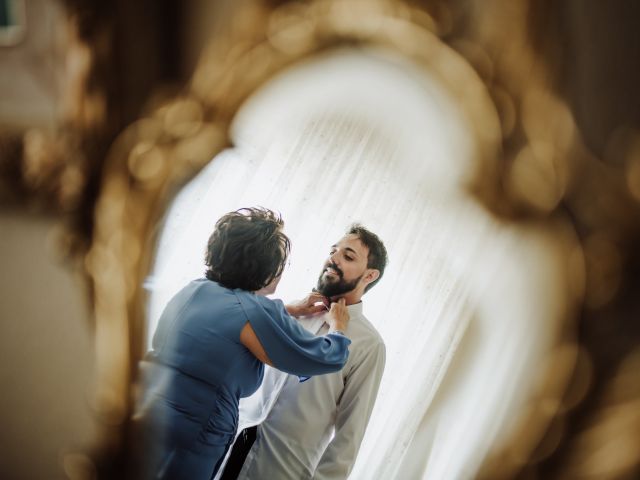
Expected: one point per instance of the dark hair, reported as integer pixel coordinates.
(377, 257)
(247, 249)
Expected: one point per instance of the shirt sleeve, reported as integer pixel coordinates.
(352, 415)
(289, 346)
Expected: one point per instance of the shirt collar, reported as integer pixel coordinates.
(355, 310)
(355, 313)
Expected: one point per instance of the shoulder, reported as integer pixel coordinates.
(367, 333)
(258, 307)
(266, 303)
(192, 291)
(203, 290)
(367, 348)
(202, 286)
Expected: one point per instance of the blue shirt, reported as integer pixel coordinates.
(198, 370)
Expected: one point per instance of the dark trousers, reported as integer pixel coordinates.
(239, 453)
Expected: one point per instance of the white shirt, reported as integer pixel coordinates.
(296, 439)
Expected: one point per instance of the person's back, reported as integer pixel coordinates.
(198, 365)
(201, 320)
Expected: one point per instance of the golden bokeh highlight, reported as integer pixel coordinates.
(146, 161)
(608, 447)
(604, 269)
(183, 118)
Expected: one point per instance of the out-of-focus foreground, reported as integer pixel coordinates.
(108, 108)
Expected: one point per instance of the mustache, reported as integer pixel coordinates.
(335, 267)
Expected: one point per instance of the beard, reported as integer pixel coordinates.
(333, 288)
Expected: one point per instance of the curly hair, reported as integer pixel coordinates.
(247, 249)
(377, 257)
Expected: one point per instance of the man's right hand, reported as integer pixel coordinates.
(338, 316)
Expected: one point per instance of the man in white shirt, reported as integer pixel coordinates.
(314, 427)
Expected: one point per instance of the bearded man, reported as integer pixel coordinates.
(313, 428)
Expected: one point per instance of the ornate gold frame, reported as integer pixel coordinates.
(156, 155)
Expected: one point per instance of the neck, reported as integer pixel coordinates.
(350, 298)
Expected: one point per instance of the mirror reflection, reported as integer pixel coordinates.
(468, 305)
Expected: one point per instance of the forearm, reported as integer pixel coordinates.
(338, 460)
(249, 339)
(293, 310)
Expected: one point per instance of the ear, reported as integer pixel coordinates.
(371, 275)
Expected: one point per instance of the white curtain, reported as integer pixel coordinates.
(466, 305)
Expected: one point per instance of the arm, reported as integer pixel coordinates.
(285, 344)
(352, 416)
(249, 339)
